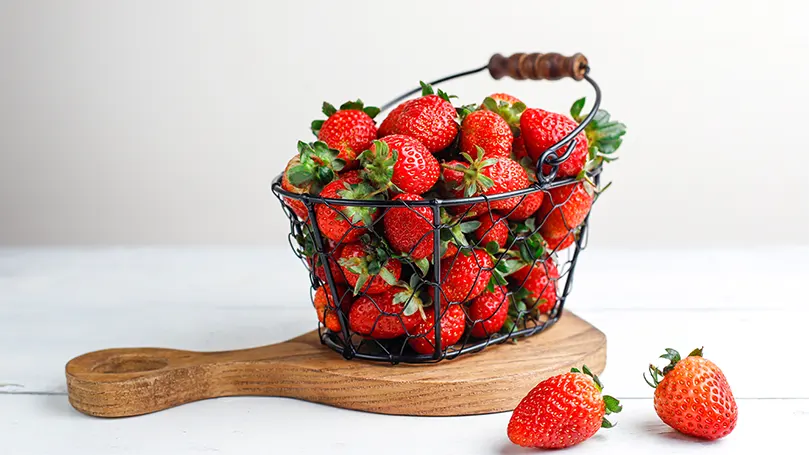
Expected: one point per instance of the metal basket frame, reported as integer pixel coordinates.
(386, 350)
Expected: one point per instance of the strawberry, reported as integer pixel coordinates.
(485, 176)
(320, 271)
(564, 209)
(527, 206)
(402, 163)
(369, 270)
(431, 119)
(314, 166)
(692, 396)
(487, 130)
(555, 244)
(488, 312)
(308, 250)
(327, 310)
(507, 107)
(453, 322)
(492, 228)
(409, 230)
(537, 285)
(518, 151)
(391, 314)
(465, 275)
(562, 411)
(343, 223)
(542, 129)
(349, 130)
(295, 205)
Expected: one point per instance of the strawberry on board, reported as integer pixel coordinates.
(369, 269)
(692, 396)
(487, 130)
(341, 223)
(391, 314)
(402, 163)
(431, 119)
(350, 129)
(453, 322)
(562, 411)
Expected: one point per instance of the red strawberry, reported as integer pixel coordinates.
(560, 243)
(297, 206)
(542, 129)
(507, 107)
(492, 229)
(538, 285)
(391, 314)
(431, 119)
(453, 322)
(485, 176)
(349, 130)
(465, 275)
(320, 271)
(368, 270)
(409, 229)
(404, 163)
(487, 130)
(345, 224)
(387, 126)
(327, 310)
(489, 311)
(693, 397)
(562, 411)
(527, 206)
(314, 166)
(564, 209)
(518, 151)
(505, 97)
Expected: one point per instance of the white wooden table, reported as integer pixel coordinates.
(748, 308)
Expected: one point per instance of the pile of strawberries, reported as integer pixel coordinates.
(498, 258)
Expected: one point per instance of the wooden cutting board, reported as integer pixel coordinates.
(134, 381)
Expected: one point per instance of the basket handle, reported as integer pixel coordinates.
(537, 66)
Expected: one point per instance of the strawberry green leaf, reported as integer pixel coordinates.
(469, 226)
(424, 265)
(352, 106)
(328, 109)
(575, 370)
(493, 248)
(371, 111)
(575, 109)
(490, 104)
(612, 405)
(387, 276)
(361, 280)
(606, 423)
(696, 353)
(316, 126)
(426, 89)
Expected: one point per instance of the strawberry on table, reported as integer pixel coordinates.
(367, 269)
(350, 129)
(453, 322)
(401, 163)
(488, 312)
(431, 119)
(391, 314)
(346, 224)
(565, 208)
(693, 396)
(562, 411)
(487, 130)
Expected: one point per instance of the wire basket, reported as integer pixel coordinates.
(530, 301)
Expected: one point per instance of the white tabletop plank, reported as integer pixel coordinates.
(47, 425)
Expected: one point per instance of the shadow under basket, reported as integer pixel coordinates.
(531, 309)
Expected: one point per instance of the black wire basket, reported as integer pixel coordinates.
(524, 312)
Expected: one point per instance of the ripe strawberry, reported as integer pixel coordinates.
(326, 308)
(507, 107)
(431, 119)
(542, 129)
(489, 311)
(518, 151)
(492, 228)
(693, 397)
(409, 229)
(349, 130)
(369, 270)
(402, 163)
(453, 322)
(391, 314)
(343, 223)
(564, 209)
(487, 130)
(537, 285)
(465, 275)
(526, 206)
(295, 205)
(554, 244)
(320, 271)
(314, 166)
(562, 411)
(485, 176)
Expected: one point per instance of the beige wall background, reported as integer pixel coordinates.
(163, 122)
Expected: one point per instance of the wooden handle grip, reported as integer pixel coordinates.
(538, 66)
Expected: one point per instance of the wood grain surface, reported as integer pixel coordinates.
(135, 381)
